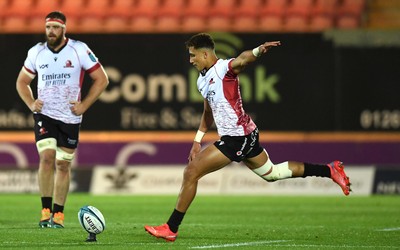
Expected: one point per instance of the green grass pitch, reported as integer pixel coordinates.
(212, 222)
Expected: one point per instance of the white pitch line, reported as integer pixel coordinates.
(388, 229)
(297, 246)
(254, 243)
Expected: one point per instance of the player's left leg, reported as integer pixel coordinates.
(67, 142)
(263, 166)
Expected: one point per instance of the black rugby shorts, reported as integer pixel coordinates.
(67, 135)
(237, 148)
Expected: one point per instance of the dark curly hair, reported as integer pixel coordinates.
(201, 40)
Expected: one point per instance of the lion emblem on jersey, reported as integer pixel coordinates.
(68, 64)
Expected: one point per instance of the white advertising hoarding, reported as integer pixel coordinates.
(233, 179)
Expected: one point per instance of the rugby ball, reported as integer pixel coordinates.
(91, 219)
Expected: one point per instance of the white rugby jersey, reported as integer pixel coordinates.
(60, 76)
(220, 86)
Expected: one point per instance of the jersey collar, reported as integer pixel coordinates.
(203, 72)
(56, 52)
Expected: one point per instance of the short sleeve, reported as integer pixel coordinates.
(88, 58)
(29, 64)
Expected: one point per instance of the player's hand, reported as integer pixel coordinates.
(36, 106)
(77, 108)
(267, 45)
(194, 151)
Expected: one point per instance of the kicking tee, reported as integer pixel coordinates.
(220, 86)
(60, 76)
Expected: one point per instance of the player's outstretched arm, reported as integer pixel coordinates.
(249, 56)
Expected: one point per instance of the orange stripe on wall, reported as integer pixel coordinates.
(265, 136)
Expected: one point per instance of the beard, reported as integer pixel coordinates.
(54, 41)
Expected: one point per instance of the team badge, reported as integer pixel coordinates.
(68, 64)
(42, 131)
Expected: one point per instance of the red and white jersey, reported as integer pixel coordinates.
(60, 76)
(220, 86)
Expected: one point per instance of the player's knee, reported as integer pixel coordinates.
(61, 155)
(190, 173)
(271, 172)
(63, 167)
(47, 160)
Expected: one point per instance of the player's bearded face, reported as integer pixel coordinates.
(54, 38)
(55, 30)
